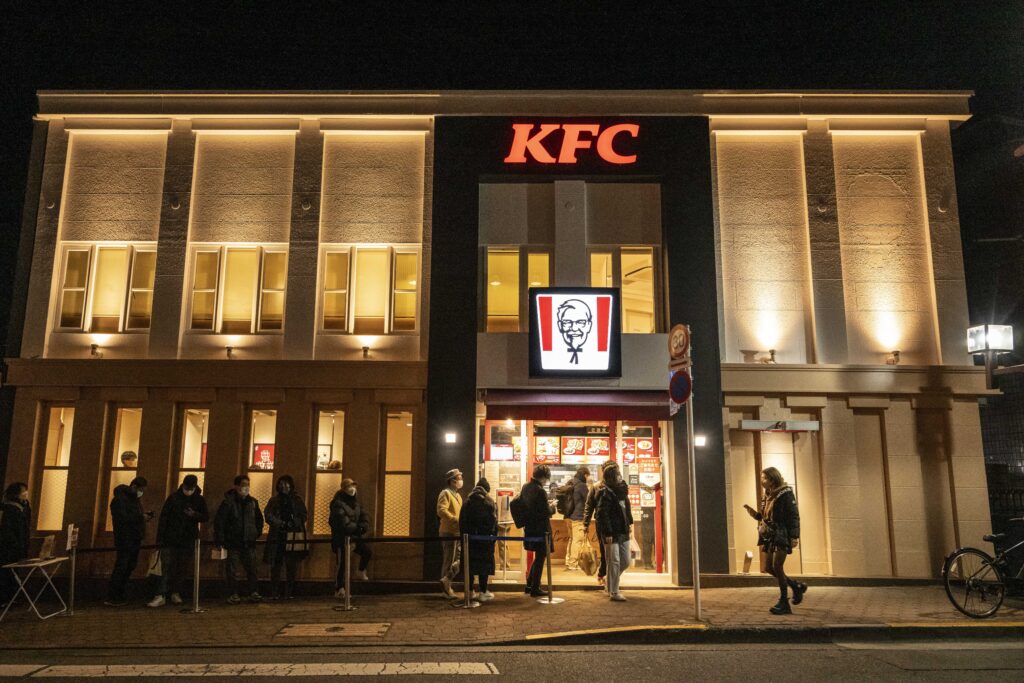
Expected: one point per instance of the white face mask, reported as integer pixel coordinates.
(244, 491)
(457, 484)
(23, 497)
(139, 493)
(350, 491)
(188, 492)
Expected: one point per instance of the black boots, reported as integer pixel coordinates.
(781, 607)
(798, 592)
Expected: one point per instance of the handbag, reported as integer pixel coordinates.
(296, 542)
(218, 553)
(155, 568)
(586, 560)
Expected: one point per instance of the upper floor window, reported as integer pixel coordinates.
(238, 290)
(507, 284)
(370, 290)
(632, 269)
(106, 288)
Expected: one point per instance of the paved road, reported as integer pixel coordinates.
(947, 660)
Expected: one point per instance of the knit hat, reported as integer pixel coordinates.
(345, 483)
(484, 484)
(452, 474)
(190, 481)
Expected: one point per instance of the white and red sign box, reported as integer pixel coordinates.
(575, 332)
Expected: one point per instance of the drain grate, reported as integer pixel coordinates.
(327, 630)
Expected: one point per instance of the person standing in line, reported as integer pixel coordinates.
(129, 522)
(237, 526)
(15, 530)
(479, 517)
(449, 507)
(614, 518)
(588, 515)
(578, 534)
(176, 534)
(539, 509)
(286, 514)
(349, 519)
(778, 533)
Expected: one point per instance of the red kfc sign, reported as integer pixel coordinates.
(534, 142)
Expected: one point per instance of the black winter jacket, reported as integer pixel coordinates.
(479, 517)
(238, 523)
(580, 492)
(127, 517)
(612, 512)
(14, 530)
(180, 518)
(283, 514)
(538, 519)
(348, 518)
(782, 525)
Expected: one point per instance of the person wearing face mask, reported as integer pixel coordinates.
(614, 518)
(449, 507)
(236, 527)
(286, 514)
(534, 496)
(349, 519)
(129, 523)
(15, 516)
(176, 534)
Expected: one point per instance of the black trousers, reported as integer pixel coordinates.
(537, 568)
(124, 565)
(360, 548)
(290, 565)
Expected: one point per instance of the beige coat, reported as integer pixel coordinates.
(449, 505)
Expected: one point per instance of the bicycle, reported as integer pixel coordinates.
(976, 582)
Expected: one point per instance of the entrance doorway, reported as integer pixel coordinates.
(509, 450)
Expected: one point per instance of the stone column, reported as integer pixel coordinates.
(571, 266)
(301, 294)
(172, 243)
(86, 496)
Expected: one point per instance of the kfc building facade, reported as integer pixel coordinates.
(385, 286)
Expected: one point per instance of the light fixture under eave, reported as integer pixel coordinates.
(495, 283)
(94, 351)
(700, 441)
(366, 352)
(770, 358)
(229, 350)
(449, 437)
(893, 358)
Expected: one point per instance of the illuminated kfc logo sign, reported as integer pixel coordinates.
(532, 142)
(574, 332)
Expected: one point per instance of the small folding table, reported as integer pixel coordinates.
(23, 572)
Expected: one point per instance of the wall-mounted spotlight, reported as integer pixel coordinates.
(366, 352)
(770, 358)
(990, 341)
(449, 437)
(700, 441)
(94, 351)
(229, 350)
(893, 358)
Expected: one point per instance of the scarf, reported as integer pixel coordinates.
(768, 508)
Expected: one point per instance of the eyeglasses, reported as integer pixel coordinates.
(567, 324)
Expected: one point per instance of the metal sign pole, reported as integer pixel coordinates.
(691, 465)
(551, 599)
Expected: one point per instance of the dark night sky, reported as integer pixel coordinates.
(345, 45)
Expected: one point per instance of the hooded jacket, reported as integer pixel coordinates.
(538, 521)
(479, 517)
(348, 518)
(127, 517)
(176, 528)
(239, 521)
(580, 491)
(612, 511)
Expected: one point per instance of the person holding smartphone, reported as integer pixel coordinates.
(778, 533)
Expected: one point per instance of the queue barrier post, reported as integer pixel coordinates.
(196, 609)
(467, 578)
(550, 599)
(348, 574)
(71, 588)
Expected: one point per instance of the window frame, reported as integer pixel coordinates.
(658, 288)
(113, 456)
(36, 492)
(523, 252)
(222, 251)
(182, 416)
(382, 465)
(89, 290)
(352, 252)
(313, 472)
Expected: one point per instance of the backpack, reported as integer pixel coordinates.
(517, 506)
(565, 501)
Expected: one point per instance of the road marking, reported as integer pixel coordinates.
(318, 669)
(956, 624)
(619, 629)
(328, 630)
(18, 670)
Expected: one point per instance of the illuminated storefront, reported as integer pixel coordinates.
(386, 286)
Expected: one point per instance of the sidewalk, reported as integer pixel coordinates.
(650, 616)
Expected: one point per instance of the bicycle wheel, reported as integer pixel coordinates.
(973, 584)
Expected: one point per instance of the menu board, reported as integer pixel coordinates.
(634, 497)
(547, 450)
(628, 449)
(645, 448)
(573, 445)
(578, 450)
(505, 452)
(598, 446)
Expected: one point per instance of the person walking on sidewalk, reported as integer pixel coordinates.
(577, 509)
(129, 522)
(538, 508)
(349, 519)
(479, 517)
(588, 515)
(176, 534)
(236, 527)
(15, 531)
(614, 519)
(449, 507)
(778, 533)
(286, 514)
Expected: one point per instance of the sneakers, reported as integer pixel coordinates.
(446, 587)
(115, 603)
(340, 593)
(361, 575)
(600, 581)
(538, 593)
(158, 601)
(617, 597)
(486, 596)
(798, 593)
(176, 599)
(781, 607)
(234, 600)
(255, 597)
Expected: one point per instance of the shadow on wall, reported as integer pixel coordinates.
(934, 438)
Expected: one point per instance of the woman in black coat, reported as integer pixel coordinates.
(479, 517)
(285, 513)
(778, 532)
(15, 516)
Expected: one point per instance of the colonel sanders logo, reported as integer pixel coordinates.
(574, 331)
